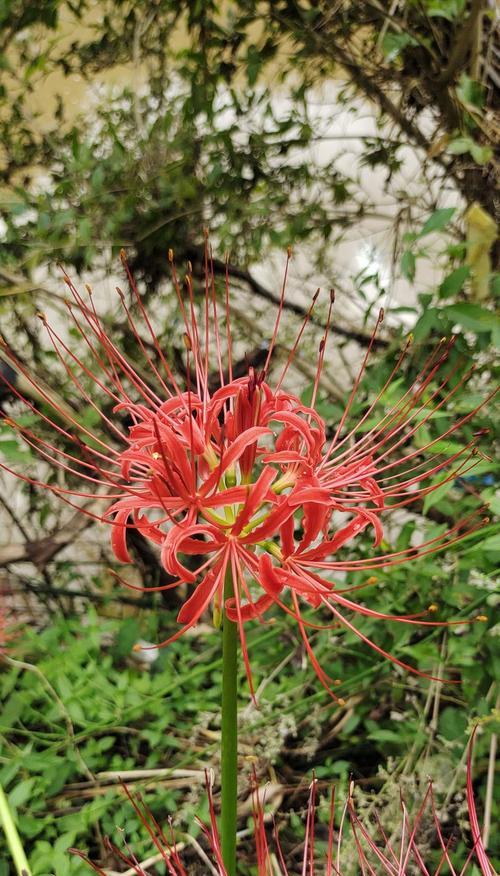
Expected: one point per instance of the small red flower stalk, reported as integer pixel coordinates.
(244, 480)
(385, 852)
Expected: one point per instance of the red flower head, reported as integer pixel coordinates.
(241, 480)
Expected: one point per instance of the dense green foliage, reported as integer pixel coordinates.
(113, 716)
(197, 135)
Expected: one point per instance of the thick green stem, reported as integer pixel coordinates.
(229, 753)
(12, 837)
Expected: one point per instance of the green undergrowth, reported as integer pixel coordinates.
(77, 704)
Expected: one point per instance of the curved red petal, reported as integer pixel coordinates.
(119, 537)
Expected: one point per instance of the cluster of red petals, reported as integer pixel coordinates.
(387, 852)
(243, 481)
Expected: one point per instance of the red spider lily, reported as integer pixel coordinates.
(243, 480)
(418, 845)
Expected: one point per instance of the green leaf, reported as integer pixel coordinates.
(436, 495)
(453, 283)
(395, 43)
(437, 220)
(494, 505)
(383, 735)
(452, 723)
(449, 9)
(90, 417)
(126, 638)
(495, 285)
(57, 774)
(481, 154)
(428, 323)
(254, 64)
(12, 710)
(12, 452)
(408, 265)
(338, 767)
(21, 793)
(464, 145)
(492, 544)
(472, 316)
(470, 92)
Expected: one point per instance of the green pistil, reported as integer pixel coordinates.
(230, 478)
(231, 512)
(283, 483)
(211, 457)
(212, 517)
(253, 523)
(272, 548)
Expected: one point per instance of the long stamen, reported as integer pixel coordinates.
(115, 358)
(38, 443)
(449, 431)
(322, 349)
(187, 344)
(358, 451)
(207, 319)
(61, 492)
(379, 395)
(398, 413)
(142, 345)
(108, 370)
(357, 381)
(228, 322)
(113, 354)
(218, 348)
(279, 315)
(296, 343)
(58, 344)
(238, 581)
(63, 411)
(147, 321)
